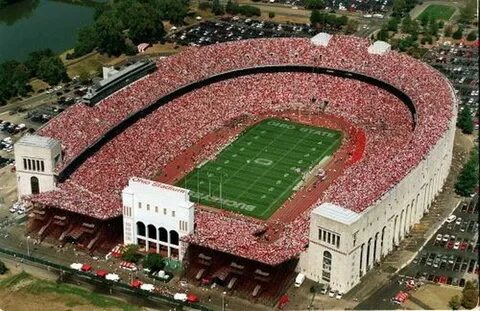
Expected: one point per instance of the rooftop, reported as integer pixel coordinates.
(337, 213)
(38, 141)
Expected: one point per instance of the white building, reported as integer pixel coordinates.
(35, 161)
(156, 216)
(344, 245)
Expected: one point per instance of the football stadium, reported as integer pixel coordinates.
(250, 161)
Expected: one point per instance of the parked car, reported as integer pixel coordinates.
(331, 294)
(324, 290)
(456, 245)
(451, 219)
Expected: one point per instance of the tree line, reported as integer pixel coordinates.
(121, 25)
(15, 76)
(424, 30)
(467, 181)
(4, 3)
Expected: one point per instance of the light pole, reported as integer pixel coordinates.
(28, 246)
(223, 301)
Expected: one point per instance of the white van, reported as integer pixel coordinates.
(299, 279)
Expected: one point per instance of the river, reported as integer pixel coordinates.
(38, 24)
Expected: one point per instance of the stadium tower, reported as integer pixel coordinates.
(36, 159)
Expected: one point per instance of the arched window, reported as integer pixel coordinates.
(34, 184)
(327, 266)
(152, 232)
(140, 228)
(163, 234)
(173, 237)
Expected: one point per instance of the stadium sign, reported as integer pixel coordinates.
(229, 203)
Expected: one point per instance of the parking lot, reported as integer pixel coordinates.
(29, 115)
(232, 29)
(460, 64)
(366, 6)
(451, 256)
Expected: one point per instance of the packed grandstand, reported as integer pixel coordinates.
(395, 136)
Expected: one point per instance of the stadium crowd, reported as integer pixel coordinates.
(393, 147)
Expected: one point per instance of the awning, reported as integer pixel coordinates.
(101, 273)
(86, 267)
(136, 283)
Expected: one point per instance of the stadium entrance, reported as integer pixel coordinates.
(59, 227)
(242, 277)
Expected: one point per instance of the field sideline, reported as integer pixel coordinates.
(256, 173)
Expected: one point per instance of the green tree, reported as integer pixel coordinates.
(472, 35)
(406, 24)
(86, 42)
(427, 39)
(4, 3)
(352, 26)
(465, 120)
(271, 14)
(147, 26)
(424, 19)
(457, 35)
(84, 77)
(172, 10)
(398, 8)
(204, 6)
(51, 70)
(315, 4)
(109, 35)
(315, 17)
(447, 32)
(468, 178)
(34, 59)
(3, 268)
(392, 24)
(154, 262)
(382, 35)
(217, 8)
(469, 285)
(14, 78)
(470, 299)
(433, 28)
(231, 7)
(454, 302)
(130, 253)
(467, 13)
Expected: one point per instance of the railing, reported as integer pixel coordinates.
(95, 280)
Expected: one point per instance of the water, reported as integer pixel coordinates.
(38, 24)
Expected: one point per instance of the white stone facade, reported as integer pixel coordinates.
(157, 216)
(365, 239)
(35, 161)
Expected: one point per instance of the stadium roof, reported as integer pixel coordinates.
(337, 213)
(321, 39)
(379, 48)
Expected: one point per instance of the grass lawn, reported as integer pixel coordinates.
(256, 173)
(24, 286)
(438, 11)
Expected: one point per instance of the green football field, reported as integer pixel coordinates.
(437, 11)
(257, 172)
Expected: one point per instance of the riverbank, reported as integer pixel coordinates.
(32, 25)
